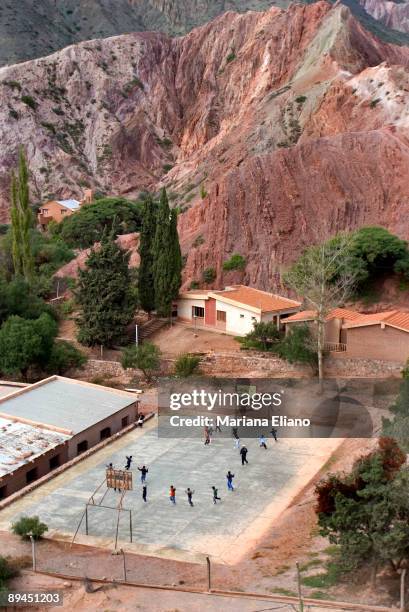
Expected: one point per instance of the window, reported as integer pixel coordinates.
(198, 312)
(241, 316)
(105, 433)
(45, 211)
(31, 475)
(54, 462)
(254, 319)
(125, 421)
(3, 492)
(221, 316)
(82, 447)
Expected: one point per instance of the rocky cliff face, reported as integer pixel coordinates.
(394, 15)
(268, 130)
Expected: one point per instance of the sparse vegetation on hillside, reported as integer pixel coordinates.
(236, 262)
(144, 357)
(187, 365)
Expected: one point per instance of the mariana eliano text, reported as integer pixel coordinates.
(243, 421)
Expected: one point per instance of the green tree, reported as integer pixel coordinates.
(366, 513)
(21, 221)
(26, 343)
(263, 336)
(168, 259)
(17, 298)
(298, 346)
(398, 426)
(64, 356)
(105, 295)
(144, 357)
(85, 228)
(187, 365)
(29, 525)
(323, 277)
(374, 252)
(146, 252)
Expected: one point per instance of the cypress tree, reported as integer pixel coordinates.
(175, 280)
(146, 252)
(168, 260)
(105, 295)
(22, 221)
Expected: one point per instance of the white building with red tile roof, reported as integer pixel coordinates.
(233, 310)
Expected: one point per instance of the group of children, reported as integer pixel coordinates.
(189, 492)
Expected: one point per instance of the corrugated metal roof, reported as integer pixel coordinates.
(21, 443)
(67, 404)
(71, 204)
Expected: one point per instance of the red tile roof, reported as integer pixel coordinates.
(336, 313)
(394, 318)
(255, 298)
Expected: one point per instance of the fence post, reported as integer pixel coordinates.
(209, 577)
(33, 553)
(299, 587)
(123, 557)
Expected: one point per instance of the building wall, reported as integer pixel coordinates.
(373, 342)
(185, 308)
(239, 321)
(55, 210)
(93, 434)
(17, 480)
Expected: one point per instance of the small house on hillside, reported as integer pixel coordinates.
(57, 210)
(233, 310)
(381, 335)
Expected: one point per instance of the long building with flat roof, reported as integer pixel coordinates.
(45, 424)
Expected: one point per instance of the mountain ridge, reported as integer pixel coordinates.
(256, 124)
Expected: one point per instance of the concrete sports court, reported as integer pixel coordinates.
(226, 531)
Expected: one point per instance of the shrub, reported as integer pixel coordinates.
(7, 571)
(29, 525)
(64, 356)
(373, 103)
(194, 285)
(29, 100)
(209, 275)
(187, 365)
(301, 99)
(236, 262)
(231, 57)
(199, 240)
(297, 346)
(145, 357)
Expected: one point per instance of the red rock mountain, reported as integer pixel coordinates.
(268, 129)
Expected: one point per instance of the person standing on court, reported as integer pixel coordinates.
(143, 470)
(262, 441)
(215, 496)
(189, 494)
(230, 477)
(274, 434)
(172, 494)
(128, 462)
(243, 453)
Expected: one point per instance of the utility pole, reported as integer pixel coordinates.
(209, 579)
(402, 589)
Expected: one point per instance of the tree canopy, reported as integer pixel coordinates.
(366, 513)
(85, 228)
(105, 295)
(146, 277)
(144, 357)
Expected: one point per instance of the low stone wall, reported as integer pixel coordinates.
(245, 364)
(352, 366)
